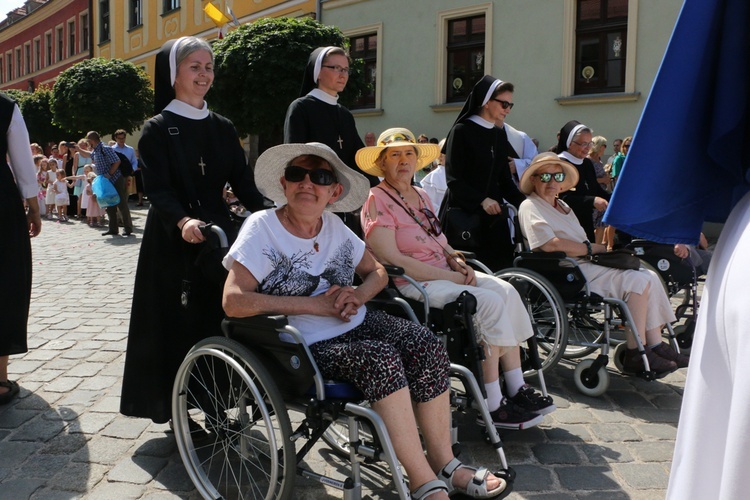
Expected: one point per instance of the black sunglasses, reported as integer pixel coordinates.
(547, 177)
(434, 222)
(504, 104)
(319, 176)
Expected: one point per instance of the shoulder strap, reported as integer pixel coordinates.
(175, 145)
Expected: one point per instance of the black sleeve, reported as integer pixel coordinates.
(159, 182)
(296, 124)
(459, 170)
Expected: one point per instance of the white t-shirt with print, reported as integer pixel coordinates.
(286, 265)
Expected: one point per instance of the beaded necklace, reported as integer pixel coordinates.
(411, 210)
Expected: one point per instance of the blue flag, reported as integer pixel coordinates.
(689, 158)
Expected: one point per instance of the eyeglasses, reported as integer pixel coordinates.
(625, 146)
(338, 69)
(504, 104)
(583, 144)
(547, 177)
(435, 226)
(319, 176)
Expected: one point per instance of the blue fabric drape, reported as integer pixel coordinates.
(688, 161)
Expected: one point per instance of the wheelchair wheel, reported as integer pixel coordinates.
(619, 356)
(585, 333)
(547, 312)
(590, 383)
(231, 425)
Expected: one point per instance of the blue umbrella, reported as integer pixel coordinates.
(689, 158)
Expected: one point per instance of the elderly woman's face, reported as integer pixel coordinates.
(309, 190)
(399, 163)
(547, 189)
(580, 145)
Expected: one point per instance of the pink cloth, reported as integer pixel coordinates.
(92, 208)
(411, 238)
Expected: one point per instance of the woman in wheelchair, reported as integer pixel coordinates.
(299, 260)
(549, 225)
(401, 230)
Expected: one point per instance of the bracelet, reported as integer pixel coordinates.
(589, 251)
(183, 224)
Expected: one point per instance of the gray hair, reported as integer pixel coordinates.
(190, 45)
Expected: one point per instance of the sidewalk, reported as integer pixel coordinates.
(64, 438)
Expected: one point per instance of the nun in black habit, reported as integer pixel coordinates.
(316, 116)
(477, 170)
(188, 154)
(588, 195)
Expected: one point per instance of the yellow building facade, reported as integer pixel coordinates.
(134, 30)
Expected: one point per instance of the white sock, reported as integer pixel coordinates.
(494, 395)
(513, 381)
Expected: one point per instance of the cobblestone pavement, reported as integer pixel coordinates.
(64, 438)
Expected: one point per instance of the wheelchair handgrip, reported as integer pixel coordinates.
(211, 227)
(542, 255)
(394, 270)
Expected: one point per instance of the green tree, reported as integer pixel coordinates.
(37, 113)
(17, 95)
(259, 70)
(103, 95)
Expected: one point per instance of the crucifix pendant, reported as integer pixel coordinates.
(202, 165)
(341, 143)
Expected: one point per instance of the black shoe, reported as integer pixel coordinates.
(127, 233)
(13, 391)
(512, 416)
(532, 401)
(665, 351)
(110, 233)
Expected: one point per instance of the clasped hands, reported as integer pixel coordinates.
(339, 302)
(459, 266)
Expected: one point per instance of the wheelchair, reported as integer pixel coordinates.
(678, 276)
(231, 405)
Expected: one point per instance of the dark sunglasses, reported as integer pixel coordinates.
(319, 176)
(434, 222)
(504, 104)
(547, 177)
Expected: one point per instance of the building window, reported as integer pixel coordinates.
(37, 54)
(135, 13)
(170, 5)
(601, 43)
(48, 46)
(365, 47)
(18, 63)
(9, 67)
(84, 23)
(466, 56)
(2, 75)
(103, 21)
(71, 38)
(60, 41)
(27, 58)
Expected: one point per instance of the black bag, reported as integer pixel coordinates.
(126, 168)
(462, 228)
(617, 259)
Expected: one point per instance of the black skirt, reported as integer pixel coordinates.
(15, 267)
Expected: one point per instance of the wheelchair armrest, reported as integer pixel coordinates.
(263, 321)
(542, 255)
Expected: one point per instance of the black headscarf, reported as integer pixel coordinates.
(163, 88)
(567, 133)
(309, 80)
(477, 97)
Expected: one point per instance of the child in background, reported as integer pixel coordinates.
(51, 178)
(93, 210)
(62, 200)
(41, 164)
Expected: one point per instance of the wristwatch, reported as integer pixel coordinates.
(588, 247)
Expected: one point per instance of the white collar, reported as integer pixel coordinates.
(324, 96)
(572, 159)
(481, 121)
(184, 109)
